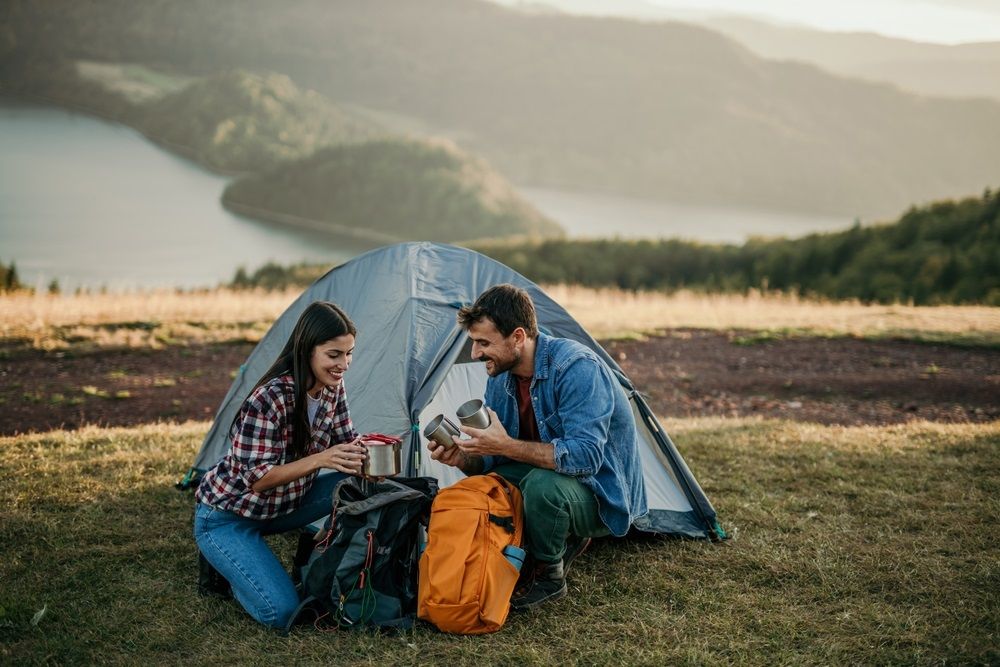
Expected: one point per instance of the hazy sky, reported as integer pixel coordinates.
(943, 21)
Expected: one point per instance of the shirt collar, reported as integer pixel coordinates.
(542, 356)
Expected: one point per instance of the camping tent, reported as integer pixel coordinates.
(412, 361)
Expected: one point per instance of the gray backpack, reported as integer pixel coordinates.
(363, 572)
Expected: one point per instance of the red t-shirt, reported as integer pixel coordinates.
(528, 427)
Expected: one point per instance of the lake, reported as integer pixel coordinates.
(92, 203)
(603, 215)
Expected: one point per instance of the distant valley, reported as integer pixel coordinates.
(665, 110)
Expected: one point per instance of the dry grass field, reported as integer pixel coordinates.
(138, 319)
(609, 313)
(154, 319)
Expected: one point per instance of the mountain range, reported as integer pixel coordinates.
(957, 70)
(960, 70)
(656, 109)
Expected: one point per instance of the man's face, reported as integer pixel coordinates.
(488, 344)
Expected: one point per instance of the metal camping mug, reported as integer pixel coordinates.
(473, 413)
(442, 431)
(384, 458)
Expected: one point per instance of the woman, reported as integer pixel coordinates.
(294, 424)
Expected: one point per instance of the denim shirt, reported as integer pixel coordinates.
(582, 410)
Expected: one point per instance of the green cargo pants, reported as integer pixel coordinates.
(555, 506)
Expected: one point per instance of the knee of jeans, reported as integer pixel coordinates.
(283, 615)
(276, 616)
(280, 613)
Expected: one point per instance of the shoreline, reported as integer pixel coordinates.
(306, 224)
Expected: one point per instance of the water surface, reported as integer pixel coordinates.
(92, 203)
(601, 215)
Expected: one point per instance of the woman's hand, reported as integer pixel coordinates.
(347, 457)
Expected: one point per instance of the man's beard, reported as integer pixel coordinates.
(503, 367)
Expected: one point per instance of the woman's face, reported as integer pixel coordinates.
(330, 360)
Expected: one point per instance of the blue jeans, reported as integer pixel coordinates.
(235, 546)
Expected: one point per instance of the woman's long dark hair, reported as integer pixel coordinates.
(320, 321)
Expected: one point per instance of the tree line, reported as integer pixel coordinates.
(9, 280)
(947, 252)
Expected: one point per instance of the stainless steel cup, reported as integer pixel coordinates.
(442, 431)
(473, 413)
(384, 458)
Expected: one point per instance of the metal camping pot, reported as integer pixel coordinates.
(384, 457)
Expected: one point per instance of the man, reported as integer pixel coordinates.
(561, 430)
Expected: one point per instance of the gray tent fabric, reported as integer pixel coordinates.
(411, 362)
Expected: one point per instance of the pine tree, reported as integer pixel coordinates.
(11, 281)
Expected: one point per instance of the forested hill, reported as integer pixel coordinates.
(947, 252)
(238, 121)
(231, 121)
(658, 109)
(307, 161)
(392, 189)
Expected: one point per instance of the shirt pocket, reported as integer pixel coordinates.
(553, 426)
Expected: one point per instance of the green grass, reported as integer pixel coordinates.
(849, 545)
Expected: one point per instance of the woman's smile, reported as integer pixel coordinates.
(330, 360)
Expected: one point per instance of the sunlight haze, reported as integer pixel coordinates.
(939, 22)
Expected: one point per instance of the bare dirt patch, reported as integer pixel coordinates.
(684, 373)
(826, 380)
(40, 391)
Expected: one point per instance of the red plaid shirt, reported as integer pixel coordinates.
(261, 435)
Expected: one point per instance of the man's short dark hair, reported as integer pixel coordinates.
(508, 307)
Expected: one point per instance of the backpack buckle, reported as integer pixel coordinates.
(505, 522)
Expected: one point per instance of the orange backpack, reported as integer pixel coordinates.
(467, 572)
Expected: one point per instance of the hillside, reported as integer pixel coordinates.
(655, 109)
(243, 122)
(392, 189)
(946, 252)
(231, 121)
(963, 70)
(960, 70)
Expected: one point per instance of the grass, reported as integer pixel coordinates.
(849, 545)
(158, 319)
(138, 319)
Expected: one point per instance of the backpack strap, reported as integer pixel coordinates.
(505, 522)
(517, 502)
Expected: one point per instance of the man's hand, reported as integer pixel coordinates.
(450, 456)
(495, 441)
(492, 440)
